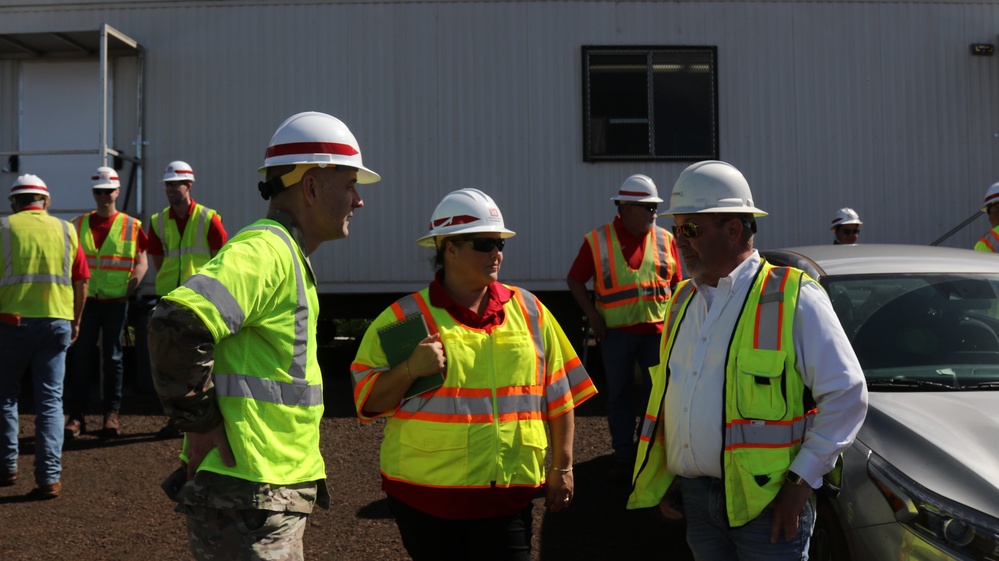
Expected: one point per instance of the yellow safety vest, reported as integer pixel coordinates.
(267, 378)
(37, 252)
(765, 417)
(110, 267)
(486, 425)
(625, 296)
(989, 242)
(182, 255)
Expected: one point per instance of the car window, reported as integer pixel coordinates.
(921, 331)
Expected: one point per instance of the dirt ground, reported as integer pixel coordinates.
(112, 508)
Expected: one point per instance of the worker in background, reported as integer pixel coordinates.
(461, 468)
(758, 390)
(846, 226)
(43, 289)
(990, 241)
(182, 238)
(233, 354)
(634, 265)
(115, 246)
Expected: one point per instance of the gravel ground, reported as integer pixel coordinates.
(112, 508)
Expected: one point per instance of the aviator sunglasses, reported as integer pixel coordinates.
(486, 245)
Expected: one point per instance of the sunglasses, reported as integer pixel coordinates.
(649, 207)
(850, 231)
(687, 230)
(486, 245)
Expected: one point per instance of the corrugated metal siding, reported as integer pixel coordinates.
(875, 105)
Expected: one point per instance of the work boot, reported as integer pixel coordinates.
(169, 431)
(112, 425)
(75, 426)
(49, 491)
(8, 479)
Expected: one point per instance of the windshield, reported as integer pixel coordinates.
(922, 332)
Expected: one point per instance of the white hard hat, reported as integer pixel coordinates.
(465, 211)
(316, 138)
(178, 171)
(845, 216)
(638, 189)
(29, 184)
(105, 178)
(711, 186)
(991, 196)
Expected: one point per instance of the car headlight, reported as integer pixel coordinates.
(939, 520)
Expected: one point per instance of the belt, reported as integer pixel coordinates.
(10, 319)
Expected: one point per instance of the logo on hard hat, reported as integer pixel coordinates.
(453, 221)
(494, 212)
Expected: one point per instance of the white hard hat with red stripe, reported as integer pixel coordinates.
(178, 171)
(845, 216)
(319, 139)
(991, 197)
(465, 211)
(105, 178)
(638, 189)
(28, 184)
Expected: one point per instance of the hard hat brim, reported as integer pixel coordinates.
(620, 198)
(430, 240)
(714, 210)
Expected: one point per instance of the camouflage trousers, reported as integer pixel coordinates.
(245, 534)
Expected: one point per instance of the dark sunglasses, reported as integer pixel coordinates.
(850, 231)
(651, 207)
(486, 245)
(687, 230)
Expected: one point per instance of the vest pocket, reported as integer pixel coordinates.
(434, 454)
(760, 392)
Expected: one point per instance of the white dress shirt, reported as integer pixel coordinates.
(692, 412)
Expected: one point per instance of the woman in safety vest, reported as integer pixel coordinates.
(468, 371)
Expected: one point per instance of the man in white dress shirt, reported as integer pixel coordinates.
(764, 389)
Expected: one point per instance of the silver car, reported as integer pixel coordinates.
(921, 481)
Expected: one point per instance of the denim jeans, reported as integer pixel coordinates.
(711, 539)
(621, 350)
(104, 320)
(40, 343)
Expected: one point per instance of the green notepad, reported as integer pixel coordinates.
(398, 341)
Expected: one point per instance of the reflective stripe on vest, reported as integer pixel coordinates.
(988, 242)
(10, 279)
(462, 405)
(767, 333)
(644, 298)
(110, 267)
(763, 332)
(183, 253)
(296, 393)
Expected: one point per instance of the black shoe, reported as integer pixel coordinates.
(169, 431)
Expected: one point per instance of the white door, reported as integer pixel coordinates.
(61, 112)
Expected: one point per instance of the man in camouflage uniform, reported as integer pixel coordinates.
(233, 352)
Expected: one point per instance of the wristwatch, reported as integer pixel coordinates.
(795, 479)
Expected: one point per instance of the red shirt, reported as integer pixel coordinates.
(633, 248)
(465, 504)
(216, 232)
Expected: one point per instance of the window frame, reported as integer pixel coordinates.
(714, 151)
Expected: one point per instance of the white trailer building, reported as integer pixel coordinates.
(888, 107)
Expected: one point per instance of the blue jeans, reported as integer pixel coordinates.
(104, 320)
(711, 539)
(40, 343)
(621, 350)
